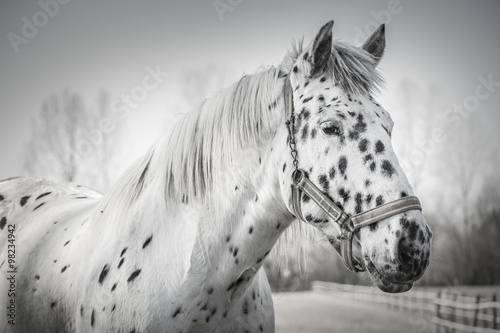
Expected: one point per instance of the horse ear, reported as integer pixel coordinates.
(322, 48)
(375, 44)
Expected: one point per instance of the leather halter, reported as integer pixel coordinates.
(348, 224)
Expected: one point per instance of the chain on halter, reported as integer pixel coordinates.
(348, 224)
(290, 124)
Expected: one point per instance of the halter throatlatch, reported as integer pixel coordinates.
(348, 224)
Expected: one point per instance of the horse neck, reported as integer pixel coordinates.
(237, 229)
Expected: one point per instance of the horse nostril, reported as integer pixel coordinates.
(405, 253)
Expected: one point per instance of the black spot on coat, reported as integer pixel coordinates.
(369, 199)
(147, 241)
(379, 147)
(313, 133)
(42, 195)
(305, 113)
(363, 145)
(353, 135)
(387, 168)
(359, 202)
(342, 164)
(40, 205)
(305, 131)
(24, 200)
(332, 172)
(3, 222)
(177, 311)
(323, 180)
(134, 275)
(104, 273)
(345, 195)
(360, 126)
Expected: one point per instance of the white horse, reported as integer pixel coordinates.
(179, 242)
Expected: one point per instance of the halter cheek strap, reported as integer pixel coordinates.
(348, 224)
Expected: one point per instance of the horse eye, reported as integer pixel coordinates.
(331, 128)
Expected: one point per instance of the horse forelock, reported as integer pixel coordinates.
(352, 68)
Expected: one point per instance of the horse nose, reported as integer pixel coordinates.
(411, 260)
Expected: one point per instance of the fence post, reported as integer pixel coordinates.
(453, 316)
(437, 312)
(494, 299)
(476, 312)
(465, 318)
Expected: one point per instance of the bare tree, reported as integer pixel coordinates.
(69, 142)
(416, 116)
(462, 169)
(105, 134)
(50, 151)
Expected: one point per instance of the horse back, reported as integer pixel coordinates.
(35, 215)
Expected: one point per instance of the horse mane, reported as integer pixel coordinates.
(201, 144)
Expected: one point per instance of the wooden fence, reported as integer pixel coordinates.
(450, 312)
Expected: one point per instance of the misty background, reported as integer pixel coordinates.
(88, 86)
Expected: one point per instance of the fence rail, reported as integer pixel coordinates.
(450, 312)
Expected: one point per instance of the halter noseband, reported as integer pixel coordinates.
(348, 224)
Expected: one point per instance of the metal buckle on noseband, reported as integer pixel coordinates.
(348, 224)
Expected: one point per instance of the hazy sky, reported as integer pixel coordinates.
(92, 45)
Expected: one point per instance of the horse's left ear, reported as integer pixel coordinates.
(322, 48)
(375, 44)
